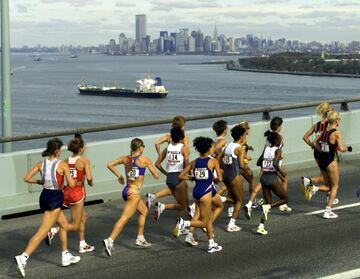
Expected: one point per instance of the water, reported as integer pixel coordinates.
(45, 96)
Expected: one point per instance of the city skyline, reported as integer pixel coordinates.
(92, 22)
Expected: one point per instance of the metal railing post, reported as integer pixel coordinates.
(344, 106)
(266, 116)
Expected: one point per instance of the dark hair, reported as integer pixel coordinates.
(135, 144)
(273, 138)
(237, 132)
(51, 146)
(275, 123)
(219, 127)
(202, 144)
(178, 121)
(177, 134)
(75, 144)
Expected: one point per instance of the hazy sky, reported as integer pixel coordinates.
(93, 22)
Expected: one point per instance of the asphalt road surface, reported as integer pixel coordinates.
(297, 246)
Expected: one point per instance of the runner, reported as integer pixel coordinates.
(135, 166)
(177, 156)
(232, 161)
(178, 121)
(272, 177)
(327, 143)
(74, 198)
(203, 168)
(52, 172)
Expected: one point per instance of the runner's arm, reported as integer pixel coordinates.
(308, 134)
(151, 168)
(160, 141)
(88, 173)
(28, 177)
(159, 161)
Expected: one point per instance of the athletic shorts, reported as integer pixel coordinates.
(172, 180)
(228, 177)
(325, 160)
(130, 190)
(74, 195)
(199, 191)
(51, 199)
(268, 179)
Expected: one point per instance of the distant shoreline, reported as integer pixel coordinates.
(231, 67)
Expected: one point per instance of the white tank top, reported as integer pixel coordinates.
(48, 174)
(268, 159)
(175, 159)
(229, 155)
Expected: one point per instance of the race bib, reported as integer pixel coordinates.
(324, 147)
(227, 159)
(73, 173)
(267, 164)
(172, 158)
(201, 174)
(133, 173)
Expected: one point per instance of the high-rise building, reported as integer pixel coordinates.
(141, 31)
(122, 43)
(181, 40)
(199, 40)
(190, 46)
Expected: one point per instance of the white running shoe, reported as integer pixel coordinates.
(233, 228)
(214, 248)
(159, 208)
(329, 215)
(191, 210)
(86, 248)
(69, 259)
(257, 203)
(20, 265)
(247, 211)
(49, 238)
(179, 227)
(142, 242)
(223, 199)
(109, 247)
(266, 210)
(305, 183)
(261, 230)
(310, 192)
(184, 232)
(150, 198)
(189, 239)
(285, 208)
(230, 211)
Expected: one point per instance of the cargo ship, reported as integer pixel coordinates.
(146, 88)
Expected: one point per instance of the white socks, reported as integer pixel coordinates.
(140, 237)
(186, 224)
(249, 204)
(64, 253)
(232, 222)
(211, 242)
(223, 199)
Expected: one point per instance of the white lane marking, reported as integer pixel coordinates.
(334, 208)
(351, 274)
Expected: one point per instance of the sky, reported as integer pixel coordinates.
(94, 22)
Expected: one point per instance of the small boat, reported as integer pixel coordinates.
(146, 88)
(74, 56)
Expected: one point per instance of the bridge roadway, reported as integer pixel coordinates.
(297, 246)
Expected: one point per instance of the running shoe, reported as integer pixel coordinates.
(86, 248)
(184, 232)
(142, 242)
(233, 228)
(189, 239)
(266, 210)
(191, 210)
(247, 211)
(329, 215)
(285, 208)
(261, 230)
(305, 183)
(179, 227)
(257, 203)
(310, 192)
(69, 259)
(214, 248)
(150, 198)
(230, 211)
(109, 247)
(223, 199)
(49, 238)
(159, 208)
(20, 265)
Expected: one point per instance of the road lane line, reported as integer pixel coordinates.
(351, 274)
(334, 208)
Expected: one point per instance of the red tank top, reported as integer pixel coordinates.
(77, 175)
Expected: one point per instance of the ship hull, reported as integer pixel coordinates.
(121, 93)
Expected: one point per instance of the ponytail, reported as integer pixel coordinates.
(51, 147)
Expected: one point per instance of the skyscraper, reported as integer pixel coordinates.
(140, 31)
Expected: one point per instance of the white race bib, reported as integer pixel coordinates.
(201, 173)
(324, 147)
(73, 173)
(133, 173)
(227, 159)
(267, 164)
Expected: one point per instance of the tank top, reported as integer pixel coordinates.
(268, 159)
(320, 127)
(50, 178)
(77, 175)
(325, 144)
(135, 171)
(203, 176)
(175, 159)
(230, 160)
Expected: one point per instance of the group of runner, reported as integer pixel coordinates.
(217, 170)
